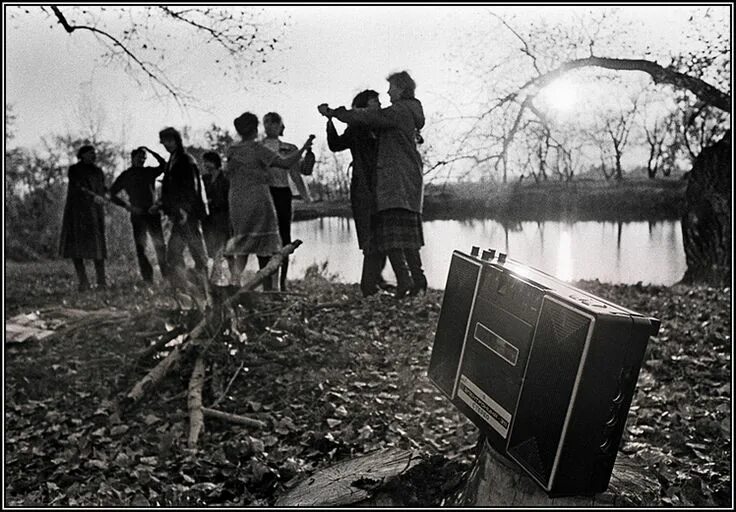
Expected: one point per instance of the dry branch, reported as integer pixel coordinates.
(160, 344)
(195, 340)
(233, 418)
(229, 384)
(273, 265)
(194, 402)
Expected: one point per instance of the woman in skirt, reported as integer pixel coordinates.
(253, 218)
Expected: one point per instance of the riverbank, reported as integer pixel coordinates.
(352, 380)
(627, 200)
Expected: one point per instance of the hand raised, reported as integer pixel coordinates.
(324, 109)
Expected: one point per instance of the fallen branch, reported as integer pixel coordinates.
(194, 402)
(229, 384)
(160, 344)
(194, 339)
(122, 204)
(233, 418)
(273, 265)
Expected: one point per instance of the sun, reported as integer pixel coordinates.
(560, 95)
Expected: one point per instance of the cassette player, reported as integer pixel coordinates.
(547, 371)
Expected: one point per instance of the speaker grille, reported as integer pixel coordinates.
(555, 355)
(454, 316)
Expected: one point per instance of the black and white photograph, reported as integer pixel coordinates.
(367, 255)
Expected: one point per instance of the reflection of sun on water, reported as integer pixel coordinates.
(564, 257)
(560, 95)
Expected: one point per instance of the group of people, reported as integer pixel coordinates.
(245, 207)
(242, 209)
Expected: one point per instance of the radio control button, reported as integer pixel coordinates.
(474, 251)
(487, 255)
(501, 257)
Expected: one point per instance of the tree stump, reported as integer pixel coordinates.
(354, 481)
(496, 481)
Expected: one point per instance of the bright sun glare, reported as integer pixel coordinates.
(559, 95)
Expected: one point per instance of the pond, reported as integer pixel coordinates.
(614, 252)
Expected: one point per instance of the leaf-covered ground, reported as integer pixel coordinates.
(333, 375)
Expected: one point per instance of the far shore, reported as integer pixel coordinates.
(628, 200)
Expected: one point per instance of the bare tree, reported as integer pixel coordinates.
(618, 128)
(661, 156)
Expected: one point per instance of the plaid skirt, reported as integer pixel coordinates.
(396, 229)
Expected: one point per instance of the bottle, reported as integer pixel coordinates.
(308, 161)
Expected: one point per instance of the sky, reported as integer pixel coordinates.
(328, 53)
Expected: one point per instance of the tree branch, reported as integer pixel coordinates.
(116, 43)
(703, 90)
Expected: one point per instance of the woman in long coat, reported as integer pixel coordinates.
(253, 218)
(83, 225)
(362, 142)
(399, 179)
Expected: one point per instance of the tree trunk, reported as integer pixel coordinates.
(495, 481)
(706, 223)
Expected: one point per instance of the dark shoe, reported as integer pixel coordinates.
(404, 282)
(414, 261)
(371, 274)
(420, 285)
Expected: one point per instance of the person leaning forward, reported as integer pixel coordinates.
(139, 182)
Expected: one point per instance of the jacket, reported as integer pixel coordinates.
(399, 179)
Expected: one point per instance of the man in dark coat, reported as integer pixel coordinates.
(362, 142)
(139, 182)
(83, 226)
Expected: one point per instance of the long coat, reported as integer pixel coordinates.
(399, 180)
(363, 146)
(83, 226)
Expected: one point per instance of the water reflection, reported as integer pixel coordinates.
(618, 252)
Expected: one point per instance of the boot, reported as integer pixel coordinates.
(414, 260)
(81, 274)
(404, 283)
(371, 274)
(100, 271)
